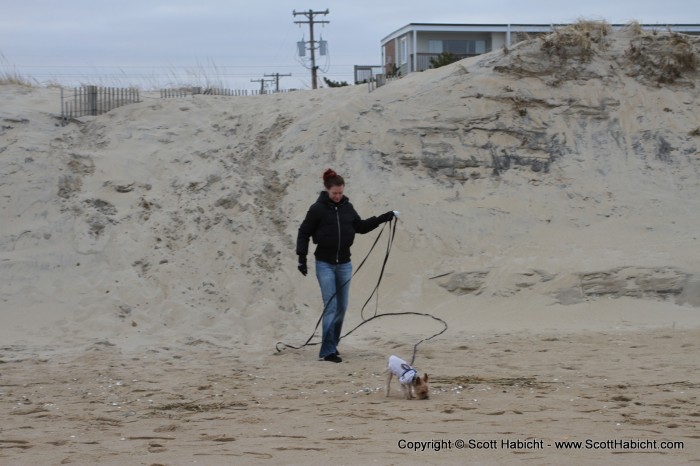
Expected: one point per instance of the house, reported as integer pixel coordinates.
(411, 47)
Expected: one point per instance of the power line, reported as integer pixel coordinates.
(277, 77)
(262, 82)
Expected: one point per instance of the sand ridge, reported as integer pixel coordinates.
(548, 196)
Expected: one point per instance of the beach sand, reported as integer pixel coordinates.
(548, 197)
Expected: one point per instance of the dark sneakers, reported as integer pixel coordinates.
(333, 358)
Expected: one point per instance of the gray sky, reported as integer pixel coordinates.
(156, 43)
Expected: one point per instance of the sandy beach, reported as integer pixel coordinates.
(548, 194)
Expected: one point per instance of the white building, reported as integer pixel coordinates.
(411, 47)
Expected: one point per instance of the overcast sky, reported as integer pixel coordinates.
(230, 42)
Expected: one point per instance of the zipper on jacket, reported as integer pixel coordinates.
(337, 218)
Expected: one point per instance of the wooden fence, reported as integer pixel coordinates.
(373, 75)
(380, 80)
(192, 91)
(95, 100)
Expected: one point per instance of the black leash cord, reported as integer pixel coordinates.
(390, 243)
(280, 345)
(407, 313)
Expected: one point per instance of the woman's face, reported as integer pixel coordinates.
(336, 193)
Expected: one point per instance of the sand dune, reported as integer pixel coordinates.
(549, 197)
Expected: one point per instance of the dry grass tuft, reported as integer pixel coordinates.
(663, 58)
(577, 41)
(9, 75)
(634, 28)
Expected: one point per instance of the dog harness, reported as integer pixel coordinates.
(402, 370)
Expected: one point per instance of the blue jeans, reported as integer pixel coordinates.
(334, 280)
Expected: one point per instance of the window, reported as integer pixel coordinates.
(463, 47)
(403, 51)
(435, 46)
(458, 47)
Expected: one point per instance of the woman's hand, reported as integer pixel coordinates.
(302, 265)
(387, 217)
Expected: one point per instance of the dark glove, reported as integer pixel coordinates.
(386, 217)
(302, 265)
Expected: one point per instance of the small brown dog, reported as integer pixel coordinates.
(411, 384)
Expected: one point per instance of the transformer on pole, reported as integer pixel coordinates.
(323, 46)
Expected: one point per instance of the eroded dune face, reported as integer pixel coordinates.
(560, 171)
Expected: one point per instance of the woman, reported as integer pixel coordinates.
(332, 223)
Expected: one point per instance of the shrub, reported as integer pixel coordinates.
(445, 58)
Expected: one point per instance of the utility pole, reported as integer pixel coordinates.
(277, 79)
(262, 83)
(310, 21)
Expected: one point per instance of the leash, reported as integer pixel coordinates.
(415, 347)
(283, 345)
(394, 222)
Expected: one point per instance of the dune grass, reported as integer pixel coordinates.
(202, 75)
(664, 58)
(10, 75)
(577, 41)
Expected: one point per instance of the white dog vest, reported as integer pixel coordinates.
(402, 370)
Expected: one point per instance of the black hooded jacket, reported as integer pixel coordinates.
(332, 226)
